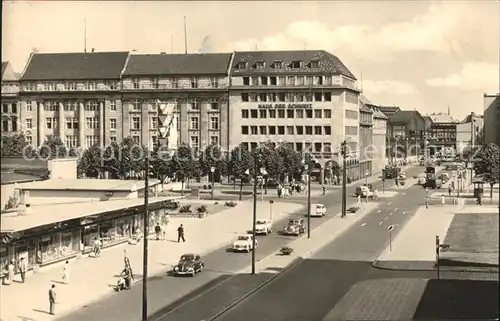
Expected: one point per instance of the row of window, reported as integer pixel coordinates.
(9, 125)
(287, 97)
(286, 130)
(70, 86)
(286, 113)
(317, 147)
(194, 123)
(9, 108)
(279, 64)
(195, 141)
(287, 80)
(194, 104)
(172, 83)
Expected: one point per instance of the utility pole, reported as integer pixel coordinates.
(254, 219)
(145, 244)
(309, 195)
(343, 151)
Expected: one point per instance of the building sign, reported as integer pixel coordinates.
(284, 106)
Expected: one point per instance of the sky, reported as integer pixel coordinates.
(423, 55)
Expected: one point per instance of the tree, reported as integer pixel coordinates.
(291, 161)
(271, 160)
(240, 161)
(14, 146)
(212, 156)
(486, 164)
(90, 164)
(131, 157)
(160, 160)
(112, 162)
(53, 147)
(183, 165)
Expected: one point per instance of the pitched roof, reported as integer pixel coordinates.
(364, 109)
(442, 118)
(378, 114)
(328, 63)
(4, 65)
(472, 117)
(8, 73)
(178, 64)
(388, 110)
(75, 66)
(403, 117)
(364, 100)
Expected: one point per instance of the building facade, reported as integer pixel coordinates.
(307, 99)
(366, 148)
(470, 133)
(71, 95)
(491, 105)
(406, 134)
(443, 134)
(379, 159)
(171, 99)
(10, 103)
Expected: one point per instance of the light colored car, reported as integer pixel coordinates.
(294, 227)
(263, 226)
(318, 210)
(244, 243)
(421, 179)
(364, 191)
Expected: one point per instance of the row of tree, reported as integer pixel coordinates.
(487, 163)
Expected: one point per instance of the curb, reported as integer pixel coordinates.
(377, 264)
(287, 268)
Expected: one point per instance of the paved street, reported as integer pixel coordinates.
(165, 290)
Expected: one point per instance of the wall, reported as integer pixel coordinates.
(491, 104)
(63, 168)
(39, 197)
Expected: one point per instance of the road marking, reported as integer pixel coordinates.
(381, 222)
(394, 210)
(404, 212)
(385, 219)
(379, 211)
(364, 224)
(391, 213)
(389, 203)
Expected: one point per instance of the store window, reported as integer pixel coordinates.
(58, 246)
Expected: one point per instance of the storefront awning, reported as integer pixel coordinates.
(50, 214)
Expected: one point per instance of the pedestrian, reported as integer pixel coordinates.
(22, 269)
(127, 276)
(11, 269)
(397, 183)
(324, 190)
(158, 231)
(426, 202)
(65, 275)
(97, 247)
(180, 234)
(479, 201)
(449, 190)
(52, 299)
(443, 201)
(335, 180)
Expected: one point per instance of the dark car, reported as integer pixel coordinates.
(189, 264)
(294, 227)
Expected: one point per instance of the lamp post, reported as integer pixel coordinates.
(145, 244)
(212, 171)
(366, 176)
(308, 169)
(343, 152)
(271, 210)
(254, 219)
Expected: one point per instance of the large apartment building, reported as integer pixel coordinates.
(491, 105)
(10, 104)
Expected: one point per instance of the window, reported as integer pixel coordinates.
(272, 130)
(91, 105)
(245, 113)
(263, 113)
(14, 124)
(273, 96)
(51, 122)
(317, 130)
(299, 113)
(272, 113)
(327, 96)
(282, 80)
(194, 123)
(194, 83)
(214, 106)
(91, 140)
(318, 113)
(289, 130)
(264, 81)
(136, 139)
(351, 130)
(351, 114)
(113, 139)
(214, 123)
(244, 97)
(29, 140)
(327, 147)
(328, 80)
(174, 83)
(296, 64)
(92, 122)
(71, 141)
(50, 105)
(246, 81)
(260, 65)
(253, 113)
(153, 122)
(195, 105)
(263, 130)
(351, 98)
(327, 113)
(309, 80)
(299, 97)
(136, 123)
(29, 106)
(135, 83)
(255, 81)
(14, 108)
(318, 80)
(273, 81)
(317, 147)
(318, 96)
(244, 130)
(29, 123)
(309, 96)
(290, 80)
(278, 65)
(214, 140)
(112, 105)
(290, 113)
(299, 130)
(70, 105)
(252, 97)
(309, 113)
(327, 130)
(136, 105)
(242, 65)
(263, 97)
(299, 147)
(281, 130)
(309, 130)
(5, 108)
(112, 86)
(253, 130)
(112, 123)
(155, 83)
(71, 123)
(281, 113)
(314, 64)
(5, 125)
(282, 97)
(300, 80)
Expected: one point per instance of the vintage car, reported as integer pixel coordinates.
(244, 243)
(294, 227)
(318, 210)
(189, 264)
(263, 226)
(421, 179)
(364, 191)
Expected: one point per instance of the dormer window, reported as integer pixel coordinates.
(260, 65)
(296, 64)
(314, 64)
(242, 65)
(278, 65)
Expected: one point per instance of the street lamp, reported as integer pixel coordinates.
(263, 173)
(257, 160)
(308, 169)
(271, 202)
(343, 152)
(366, 177)
(212, 170)
(145, 244)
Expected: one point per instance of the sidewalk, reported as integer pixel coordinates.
(93, 278)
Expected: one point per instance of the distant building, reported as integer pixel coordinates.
(406, 134)
(491, 105)
(10, 105)
(389, 110)
(469, 131)
(443, 133)
(379, 158)
(366, 148)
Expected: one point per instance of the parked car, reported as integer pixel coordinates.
(294, 227)
(189, 264)
(263, 226)
(421, 179)
(318, 210)
(364, 191)
(244, 243)
(433, 184)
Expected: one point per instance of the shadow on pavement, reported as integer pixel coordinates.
(458, 299)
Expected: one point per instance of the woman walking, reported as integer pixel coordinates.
(65, 276)
(11, 268)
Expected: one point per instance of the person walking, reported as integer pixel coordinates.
(449, 190)
(443, 200)
(22, 269)
(11, 269)
(158, 231)
(180, 234)
(52, 299)
(65, 276)
(324, 190)
(479, 201)
(97, 247)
